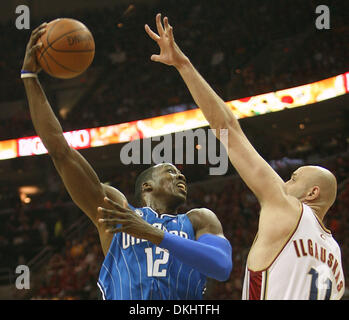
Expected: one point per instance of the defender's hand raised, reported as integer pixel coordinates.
(170, 53)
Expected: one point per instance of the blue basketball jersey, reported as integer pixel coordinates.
(136, 269)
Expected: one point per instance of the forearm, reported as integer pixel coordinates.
(211, 255)
(213, 107)
(44, 120)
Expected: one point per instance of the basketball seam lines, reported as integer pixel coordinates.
(61, 65)
(58, 50)
(72, 51)
(49, 45)
(61, 36)
(47, 65)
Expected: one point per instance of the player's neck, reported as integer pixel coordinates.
(317, 209)
(160, 207)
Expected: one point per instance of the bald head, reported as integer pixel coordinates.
(314, 184)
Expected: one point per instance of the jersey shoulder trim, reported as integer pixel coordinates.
(321, 224)
(286, 242)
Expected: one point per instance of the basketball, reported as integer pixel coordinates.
(68, 48)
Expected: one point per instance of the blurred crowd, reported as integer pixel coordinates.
(241, 48)
(72, 273)
(25, 229)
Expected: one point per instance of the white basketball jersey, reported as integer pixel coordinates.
(309, 267)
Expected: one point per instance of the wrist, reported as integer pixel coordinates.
(27, 74)
(183, 65)
(154, 235)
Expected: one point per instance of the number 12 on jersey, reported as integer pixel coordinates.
(154, 266)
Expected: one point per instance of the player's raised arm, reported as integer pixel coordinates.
(79, 178)
(264, 182)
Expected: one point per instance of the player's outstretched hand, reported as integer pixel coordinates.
(170, 53)
(30, 62)
(123, 219)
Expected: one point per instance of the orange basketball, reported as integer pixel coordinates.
(68, 48)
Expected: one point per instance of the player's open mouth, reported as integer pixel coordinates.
(182, 186)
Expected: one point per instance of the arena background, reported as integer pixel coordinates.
(243, 48)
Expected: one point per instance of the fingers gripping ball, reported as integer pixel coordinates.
(68, 48)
